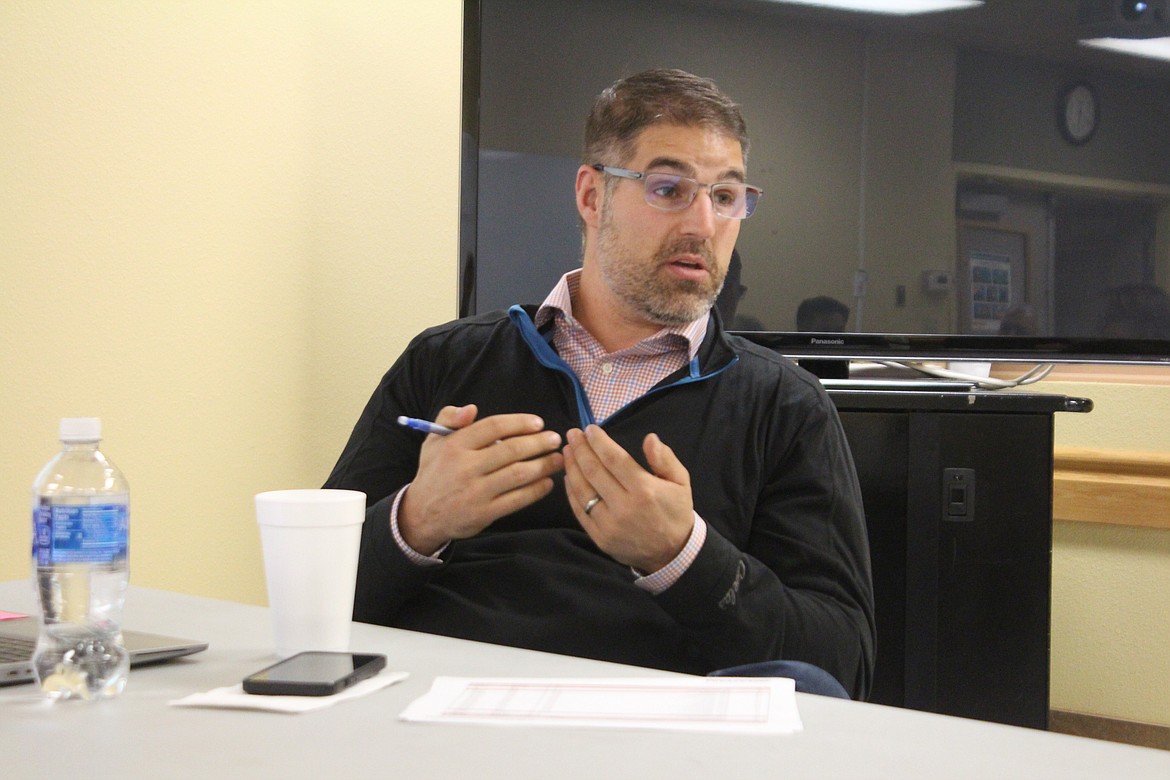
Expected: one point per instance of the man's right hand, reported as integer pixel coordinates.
(483, 471)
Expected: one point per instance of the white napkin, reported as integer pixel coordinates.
(233, 697)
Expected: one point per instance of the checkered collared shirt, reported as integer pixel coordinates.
(612, 380)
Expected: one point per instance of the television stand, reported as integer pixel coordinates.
(957, 488)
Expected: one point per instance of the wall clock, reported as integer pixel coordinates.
(1077, 113)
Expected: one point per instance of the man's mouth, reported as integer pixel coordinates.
(687, 257)
(689, 268)
(690, 263)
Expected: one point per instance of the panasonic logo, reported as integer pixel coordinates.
(815, 340)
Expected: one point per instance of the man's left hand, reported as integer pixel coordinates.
(644, 518)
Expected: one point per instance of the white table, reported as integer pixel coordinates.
(139, 735)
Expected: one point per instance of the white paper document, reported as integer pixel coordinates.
(755, 705)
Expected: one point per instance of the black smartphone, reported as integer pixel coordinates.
(314, 674)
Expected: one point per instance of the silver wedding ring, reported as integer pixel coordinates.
(592, 503)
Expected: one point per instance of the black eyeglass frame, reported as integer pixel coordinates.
(751, 194)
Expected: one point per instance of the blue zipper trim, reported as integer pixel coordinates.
(547, 356)
(693, 376)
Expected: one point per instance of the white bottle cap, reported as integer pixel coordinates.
(80, 429)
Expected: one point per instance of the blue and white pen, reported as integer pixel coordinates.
(426, 426)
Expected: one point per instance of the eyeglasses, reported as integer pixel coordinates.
(671, 192)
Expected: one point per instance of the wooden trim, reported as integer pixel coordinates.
(1027, 177)
(1106, 486)
(1092, 372)
(1097, 727)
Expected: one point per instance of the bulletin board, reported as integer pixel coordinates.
(992, 276)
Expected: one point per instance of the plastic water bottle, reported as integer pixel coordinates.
(81, 515)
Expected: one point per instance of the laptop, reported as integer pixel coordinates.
(18, 639)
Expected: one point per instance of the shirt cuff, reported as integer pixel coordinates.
(412, 555)
(669, 574)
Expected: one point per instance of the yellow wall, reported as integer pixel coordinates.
(1110, 619)
(220, 222)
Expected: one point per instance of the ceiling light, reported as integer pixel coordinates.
(899, 7)
(1158, 48)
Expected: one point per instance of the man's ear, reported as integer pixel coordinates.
(589, 195)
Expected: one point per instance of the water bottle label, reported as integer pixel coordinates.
(86, 533)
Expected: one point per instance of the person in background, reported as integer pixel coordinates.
(1136, 311)
(1019, 320)
(821, 314)
(624, 481)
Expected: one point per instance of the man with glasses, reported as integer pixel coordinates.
(622, 479)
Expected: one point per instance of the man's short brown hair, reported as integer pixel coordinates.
(670, 96)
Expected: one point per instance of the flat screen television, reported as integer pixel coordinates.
(917, 171)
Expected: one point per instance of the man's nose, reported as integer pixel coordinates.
(700, 217)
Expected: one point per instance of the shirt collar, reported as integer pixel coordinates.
(560, 302)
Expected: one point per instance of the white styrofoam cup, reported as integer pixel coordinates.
(310, 540)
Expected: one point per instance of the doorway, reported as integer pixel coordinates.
(1041, 261)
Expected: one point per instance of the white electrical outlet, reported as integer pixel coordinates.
(937, 281)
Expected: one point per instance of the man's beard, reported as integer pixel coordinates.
(645, 287)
